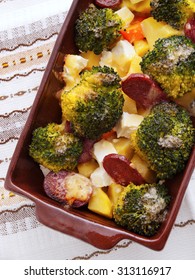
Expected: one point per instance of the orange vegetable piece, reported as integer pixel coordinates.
(108, 134)
(134, 31)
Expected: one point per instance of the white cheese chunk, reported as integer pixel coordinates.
(119, 58)
(101, 149)
(106, 59)
(77, 187)
(122, 55)
(100, 178)
(74, 64)
(127, 124)
(126, 16)
(123, 52)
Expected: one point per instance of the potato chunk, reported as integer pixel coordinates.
(142, 167)
(123, 147)
(114, 191)
(154, 30)
(87, 168)
(100, 203)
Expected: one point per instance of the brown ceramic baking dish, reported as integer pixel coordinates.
(25, 178)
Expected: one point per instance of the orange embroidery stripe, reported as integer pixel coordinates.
(24, 59)
(39, 54)
(5, 65)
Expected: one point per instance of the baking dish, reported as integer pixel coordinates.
(25, 178)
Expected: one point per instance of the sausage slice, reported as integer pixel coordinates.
(141, 88)
(112, 4)
(118, 167)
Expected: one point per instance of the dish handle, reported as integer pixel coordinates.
(64, 221)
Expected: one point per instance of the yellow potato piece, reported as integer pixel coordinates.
(141, 6)
(87, 168)
(135, 65)
(141, 47)
(129, 105)
(100, 203)
(114, 191)
(135, 1)
(154, 30)
(142, 167)
(93, 59)
(123, 147)
(187, 99)
(143, 112)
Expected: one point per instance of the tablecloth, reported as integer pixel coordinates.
(28, 31)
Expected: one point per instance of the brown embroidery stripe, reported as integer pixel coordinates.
(5, 160)
(19, 209)
(16, 111)
(8, 140)
(23, 75)
(24, 63)
(41, 29)
(97, 253)
(30, 43)
(183, 224)
(19, 93)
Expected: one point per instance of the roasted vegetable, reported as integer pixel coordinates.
(95, 104)
(97, 29)
(174, 12)
(54, 148)
(171, 63)
(142, 208)
(165, 139)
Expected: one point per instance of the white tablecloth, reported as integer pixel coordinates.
(28, 31)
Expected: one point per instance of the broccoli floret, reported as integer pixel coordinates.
(97, 29)
(95, 104)
(165, 139)
(171, 63)
(55, 149)
(142, 208)
(173, 12)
